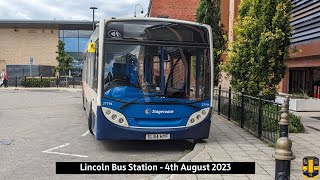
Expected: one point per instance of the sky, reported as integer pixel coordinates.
(70, 9)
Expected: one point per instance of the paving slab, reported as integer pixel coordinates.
(229, 143)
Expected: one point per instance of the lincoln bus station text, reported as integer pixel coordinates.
(145, 167)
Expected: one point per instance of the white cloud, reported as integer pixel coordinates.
(21, 15)
(69, 9)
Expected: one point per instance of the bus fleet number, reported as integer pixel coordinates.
(107, 103)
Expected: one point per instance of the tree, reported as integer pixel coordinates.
(209, 12)
(64, 60)
(256, 59)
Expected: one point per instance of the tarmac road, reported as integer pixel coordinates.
(34, 121)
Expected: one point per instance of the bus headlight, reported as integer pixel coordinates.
(197, 117)
(115, 117)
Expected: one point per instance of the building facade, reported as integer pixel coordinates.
(29, 47)
(303, 72)
(173, 9)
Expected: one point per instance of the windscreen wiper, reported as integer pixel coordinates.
(187, 104)
(130, 102)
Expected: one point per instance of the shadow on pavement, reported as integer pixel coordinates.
(148, 146)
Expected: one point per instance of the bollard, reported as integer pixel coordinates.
(16, 81)
(284, 121)
(73, 81)
(283, 153)
(25, 81)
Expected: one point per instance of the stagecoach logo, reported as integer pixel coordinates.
(148, 111)
(114, 34)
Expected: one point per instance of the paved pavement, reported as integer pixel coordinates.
(40, 119)
(228, 142)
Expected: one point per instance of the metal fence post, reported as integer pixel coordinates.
(260, 116)
(283, 153)
(25, 81)
(41, 81)
(219, 100)
(73, 81)
(57, 83)
(16, 81)
(229, 104)
(242, 108)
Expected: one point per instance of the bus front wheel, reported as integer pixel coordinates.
(90, 118)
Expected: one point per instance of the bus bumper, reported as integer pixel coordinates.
(106, 130)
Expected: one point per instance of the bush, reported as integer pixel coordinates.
(295, 125)
(36, 82)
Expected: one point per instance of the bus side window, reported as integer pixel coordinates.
(87, 68)
(95, 67)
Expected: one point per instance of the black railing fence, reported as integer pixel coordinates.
(257, 115)
(70, 81)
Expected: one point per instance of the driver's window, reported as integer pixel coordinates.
(156, 74)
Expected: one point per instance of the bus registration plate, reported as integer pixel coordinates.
(157, 136)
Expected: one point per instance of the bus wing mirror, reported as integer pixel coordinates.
(92, 47)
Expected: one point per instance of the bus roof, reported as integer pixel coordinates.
(155, 19)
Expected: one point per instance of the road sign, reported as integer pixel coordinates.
(31, 61)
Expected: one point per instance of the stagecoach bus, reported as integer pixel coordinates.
(148, 79)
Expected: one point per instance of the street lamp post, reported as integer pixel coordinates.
(93, 25)
(135, 9)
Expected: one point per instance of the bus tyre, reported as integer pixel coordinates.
(195, 141)
(90, 121)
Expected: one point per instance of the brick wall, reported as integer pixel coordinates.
(21, 44)
(175, 9)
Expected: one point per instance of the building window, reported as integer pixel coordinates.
(71, 44)
(75, 44)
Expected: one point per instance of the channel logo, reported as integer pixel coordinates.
(310, 167)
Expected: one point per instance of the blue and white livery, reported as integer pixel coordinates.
(148, 79)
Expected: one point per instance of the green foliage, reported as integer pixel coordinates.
(64, 60)
(36, 82)
(299, 96)
(256, 59)
(209, 12)
(295, 125)
(272, 145)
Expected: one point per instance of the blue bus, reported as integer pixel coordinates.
(148, 79)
